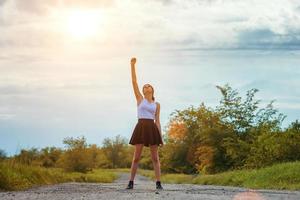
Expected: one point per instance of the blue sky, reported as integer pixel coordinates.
(54, 84)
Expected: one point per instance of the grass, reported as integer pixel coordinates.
(279, 176)
(19, 177)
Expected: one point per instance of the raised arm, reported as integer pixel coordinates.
(136, 90)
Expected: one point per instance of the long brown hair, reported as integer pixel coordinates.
(153, 98)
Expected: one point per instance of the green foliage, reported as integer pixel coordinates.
(75, 143)
(274, 148)
(294, 127)
(116, 153)
(2, 155)
(201, 150)
(244, 115)
(49, 156)
(174, 158)
(46, 157)
(237, 113)
(16, 176)
(27, 156)
(277, 176)
(236, 134)
(76, 157)
(146, 161)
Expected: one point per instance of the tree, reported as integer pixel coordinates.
(244, 115)
(2, 154)
(27, 156)
(249, 123)
(76, 157)
(294, 127)
(192, 132)
(116, 152)
(230, 136)
(49, 156)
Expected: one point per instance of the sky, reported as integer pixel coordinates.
(65, 65)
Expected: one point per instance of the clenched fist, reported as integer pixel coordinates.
(133, 61)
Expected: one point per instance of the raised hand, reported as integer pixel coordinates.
(137, 92)
(133, 61)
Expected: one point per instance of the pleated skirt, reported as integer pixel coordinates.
(146, 132)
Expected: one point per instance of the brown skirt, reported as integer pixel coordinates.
(146, 132)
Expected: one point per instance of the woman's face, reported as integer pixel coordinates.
(147, 89)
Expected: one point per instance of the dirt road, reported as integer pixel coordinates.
(144, 189)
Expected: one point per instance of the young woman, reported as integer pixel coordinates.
(147, 131)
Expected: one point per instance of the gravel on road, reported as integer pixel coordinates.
(144, 189)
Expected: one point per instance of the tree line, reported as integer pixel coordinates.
(236, 134)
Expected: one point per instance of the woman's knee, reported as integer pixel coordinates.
(136, 159)
(155, 159)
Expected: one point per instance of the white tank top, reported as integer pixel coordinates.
(146, 109)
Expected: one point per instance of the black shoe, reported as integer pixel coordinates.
(158, 185)
(130, 185)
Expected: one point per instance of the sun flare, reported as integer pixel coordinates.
(83, 24)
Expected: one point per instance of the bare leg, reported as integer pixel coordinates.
(155, 161)
(135, 160)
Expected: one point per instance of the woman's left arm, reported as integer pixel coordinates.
(158, 126)
(157, 120)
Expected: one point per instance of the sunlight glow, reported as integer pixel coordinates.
(83, 23)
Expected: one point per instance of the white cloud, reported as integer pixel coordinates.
(164, 24)
(43, 7)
